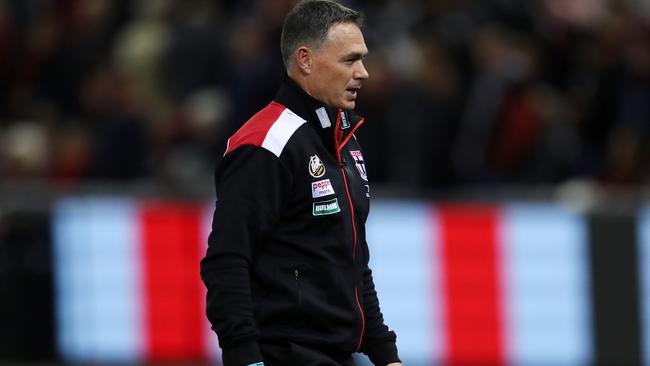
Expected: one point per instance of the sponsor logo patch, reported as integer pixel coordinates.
(323, 117)
(316, 167)
(358, 161)
(326, 207)
(321, 188)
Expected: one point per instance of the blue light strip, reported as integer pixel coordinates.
(644, 282)
(97, 274)
(546, 286)
(405, 264)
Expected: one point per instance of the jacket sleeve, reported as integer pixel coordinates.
(252, 186)
(379, 342)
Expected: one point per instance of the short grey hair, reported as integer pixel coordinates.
(309, 22)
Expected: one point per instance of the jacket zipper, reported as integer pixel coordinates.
(347, 192)
(338, 147)
(341, 162)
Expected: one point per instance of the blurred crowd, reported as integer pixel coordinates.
(461, 92)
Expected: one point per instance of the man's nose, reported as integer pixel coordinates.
(361, 72)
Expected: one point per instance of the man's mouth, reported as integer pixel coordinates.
(353, 91)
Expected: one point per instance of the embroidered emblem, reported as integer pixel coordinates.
(316, 167)
(326, 207)
(358, 161)
(323, 117)
(345, 124)
(321, 188)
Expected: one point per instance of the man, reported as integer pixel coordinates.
(287, 264)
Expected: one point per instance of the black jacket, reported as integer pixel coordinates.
(287, 256)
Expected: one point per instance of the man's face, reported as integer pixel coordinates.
(337, 69)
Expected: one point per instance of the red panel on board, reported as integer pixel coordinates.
(171, 235)
(471, 281)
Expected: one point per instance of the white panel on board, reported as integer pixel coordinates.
(546, 285)
(98, 284)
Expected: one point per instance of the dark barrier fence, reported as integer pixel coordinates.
(26, 296)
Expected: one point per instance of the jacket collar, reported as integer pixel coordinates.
(334, 125)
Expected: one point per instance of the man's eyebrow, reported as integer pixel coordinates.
(354, 56)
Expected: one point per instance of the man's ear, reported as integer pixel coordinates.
(304, 60)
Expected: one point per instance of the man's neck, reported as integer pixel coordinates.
(302, 82)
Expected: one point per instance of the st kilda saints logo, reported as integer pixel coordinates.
(316, 167)
(358, 162)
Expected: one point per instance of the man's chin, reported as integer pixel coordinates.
(348, 104)
(343, 104)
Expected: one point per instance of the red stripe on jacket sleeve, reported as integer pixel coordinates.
(255, 129)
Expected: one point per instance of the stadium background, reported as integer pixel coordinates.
(513, 229)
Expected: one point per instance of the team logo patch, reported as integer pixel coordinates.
(326, 207)
(316, 167)
(358, 161)
(321, 188)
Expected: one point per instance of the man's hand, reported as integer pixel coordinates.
(395, 364)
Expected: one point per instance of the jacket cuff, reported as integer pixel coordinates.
(382, 354)
(242, 354)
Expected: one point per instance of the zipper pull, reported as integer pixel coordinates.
(296, 274)
(343, 163)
